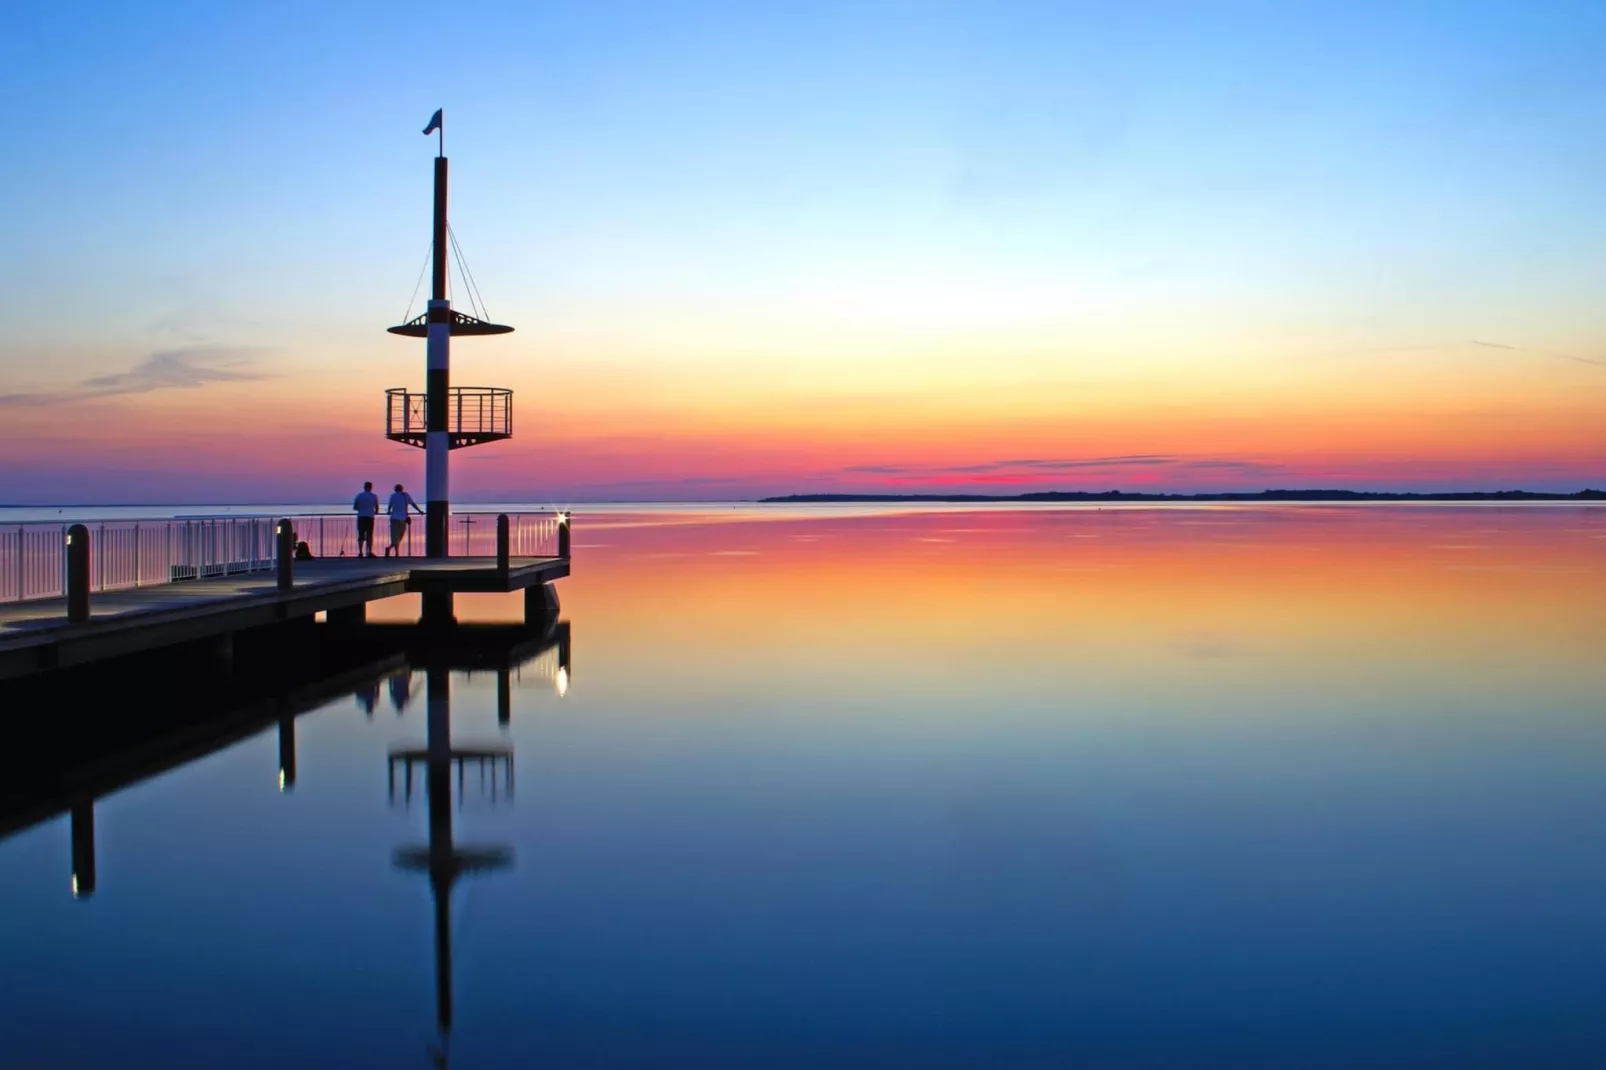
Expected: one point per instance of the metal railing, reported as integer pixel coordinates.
(127, 553)
(467, 534)
(482, 411)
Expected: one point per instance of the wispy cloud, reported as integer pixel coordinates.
(1539, 352)
(1035, 467)
(171, 369)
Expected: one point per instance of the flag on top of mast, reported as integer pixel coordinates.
(434, 122)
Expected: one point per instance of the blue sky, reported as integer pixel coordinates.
(706, 187)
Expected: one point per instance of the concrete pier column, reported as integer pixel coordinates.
(83, 850)
(436, 610)
(540, 604)
(347, 618)
(220, 654)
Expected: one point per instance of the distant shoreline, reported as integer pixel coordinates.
(1588, 495)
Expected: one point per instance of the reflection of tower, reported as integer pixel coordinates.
(442, 859)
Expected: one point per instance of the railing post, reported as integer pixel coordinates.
(502, 550)
(286, 555)
(563, 534)
(77, 573)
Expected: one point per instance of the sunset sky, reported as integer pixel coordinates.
(758, 248)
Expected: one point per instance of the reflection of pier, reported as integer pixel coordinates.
(84, 747)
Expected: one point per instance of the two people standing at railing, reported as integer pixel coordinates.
(366, 505)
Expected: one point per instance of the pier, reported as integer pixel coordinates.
(73, 595)
(144, 587)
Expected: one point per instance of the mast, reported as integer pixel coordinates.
(437, 383)
(443, 418)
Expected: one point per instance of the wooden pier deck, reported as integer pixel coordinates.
(36, 636)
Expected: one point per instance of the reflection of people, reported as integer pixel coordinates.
(368, 696)
(367, 506)
(401, 690)
(399, 503)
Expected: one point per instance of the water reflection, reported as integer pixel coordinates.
(75, 766)
(1201, 788)
(444, 860)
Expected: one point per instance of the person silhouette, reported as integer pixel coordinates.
(399, 519)
(366, 505)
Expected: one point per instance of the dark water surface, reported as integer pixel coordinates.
(1163, 787)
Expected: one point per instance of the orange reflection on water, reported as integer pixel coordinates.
(1495, 592)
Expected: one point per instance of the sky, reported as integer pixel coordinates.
(760, 249)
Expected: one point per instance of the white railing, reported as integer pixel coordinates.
(126, 553)
(467, 534)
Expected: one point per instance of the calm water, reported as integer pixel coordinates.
(1206, 787)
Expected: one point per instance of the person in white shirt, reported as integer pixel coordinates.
(367, 506)
(399, 503)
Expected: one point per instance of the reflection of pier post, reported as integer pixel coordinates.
(565, 647)
(287, 753)
(83, 850)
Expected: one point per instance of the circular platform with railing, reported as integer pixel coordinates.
(474, 414)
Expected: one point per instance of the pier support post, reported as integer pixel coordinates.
(504, 697)
(220, 653)
(77, 573)
(349, 618)
(285, 555)
(540, 604)
(503, 538)
(436, 610)
(83, 850)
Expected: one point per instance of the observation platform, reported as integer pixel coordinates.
(36, 636)
(474, 415)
